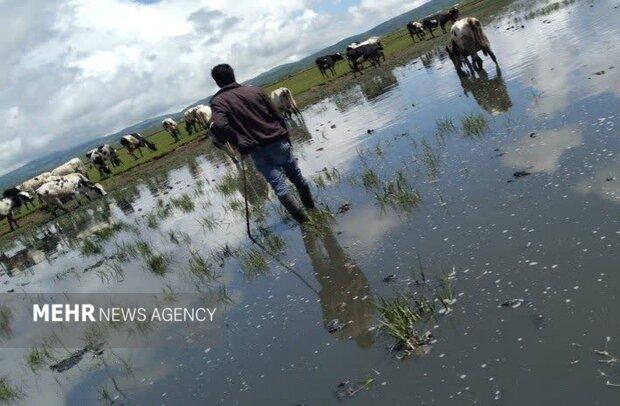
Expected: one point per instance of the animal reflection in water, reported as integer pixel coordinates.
(378, 85)
(345, 295)
(490, 94)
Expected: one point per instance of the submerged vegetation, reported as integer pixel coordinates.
(9, 393)
(398, 193)
(474, 125)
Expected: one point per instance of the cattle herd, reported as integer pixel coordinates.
(466, 39)
(70, 180)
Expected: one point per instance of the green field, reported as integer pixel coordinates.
(308, 86)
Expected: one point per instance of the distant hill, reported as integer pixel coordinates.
(56, 158)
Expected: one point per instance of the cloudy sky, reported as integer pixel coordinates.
(79, 69)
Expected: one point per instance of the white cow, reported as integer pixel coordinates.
(282, 100)
(34, 183)
(203, 115)
(466, 39)
(12, 198)
(134, 142)
(172, 128)
(75, 165)
(190, 121)
(60, 190)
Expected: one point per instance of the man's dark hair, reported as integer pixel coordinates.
(223, 74)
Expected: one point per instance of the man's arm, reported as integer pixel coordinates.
(221, 130)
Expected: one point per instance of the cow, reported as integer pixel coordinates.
(172, 128)
(11, 199)
(283, 102)
(55, 193)
(190, 121)
(74, 165)
(328, 62)
(109, 154)
(416, 29)
(358, 53)
(202, 115)
(100, 157)
(135, 141)
(33, 184)
(466, 39)
(440, 20)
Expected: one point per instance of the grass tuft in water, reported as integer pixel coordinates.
(201, 267)
(37, 358)
(445, 126)
(253, 263)
(158, 264)
(209, 222)
(152, 220)
(90, 248)
(9, 393)
(229, 184)
(183, 203)
(105, 234)
(5, 321)
(370, 180)
(398, 193)
(474, 125)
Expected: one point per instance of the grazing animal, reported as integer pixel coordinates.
(171, 126)
(358, 53)
(55, 193)
(100, 157)
(416, 29)
(282, 100)
(440, 20)
(328, 62)
(190, 121)
(135, 141)
(109, 154)
(202, 115)
(74, 165)
(12, 198)
(466, 39)
(33, 184)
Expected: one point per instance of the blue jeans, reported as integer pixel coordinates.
(274, 162)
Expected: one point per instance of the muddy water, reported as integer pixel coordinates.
(549, 238)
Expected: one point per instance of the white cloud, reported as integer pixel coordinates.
(74, 70)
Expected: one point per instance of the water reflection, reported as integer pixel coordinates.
(490, 94)
(126, 199)
(378, 84)
(345, 291)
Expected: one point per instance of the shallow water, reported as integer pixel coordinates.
(549, 238)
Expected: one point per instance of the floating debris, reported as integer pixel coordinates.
(335, 325)
(343, 208)
(521, 174)
(389, 278)
(514, 303)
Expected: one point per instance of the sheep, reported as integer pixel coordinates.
(55, 193)
(12, 198)
(74, 165)
(283, 102)
(172, 128)
(467, 38)
(136, 141)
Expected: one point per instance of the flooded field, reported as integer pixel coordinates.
(493, 202)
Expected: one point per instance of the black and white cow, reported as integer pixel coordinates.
(134, 142)
(328, 62)
(100, 157)
(370, 50)
(55, 193)
(11, 199)
(466, 39)
(416, 29)
(440, 20)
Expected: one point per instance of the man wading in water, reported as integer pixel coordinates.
(245, 117)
